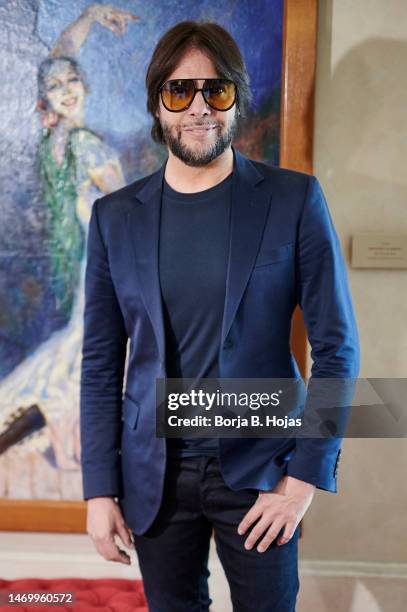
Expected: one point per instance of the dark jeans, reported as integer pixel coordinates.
(173, 553)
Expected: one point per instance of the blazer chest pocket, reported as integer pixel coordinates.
(268, 256)
(130, 411)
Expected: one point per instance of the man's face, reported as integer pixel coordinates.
(199, 134)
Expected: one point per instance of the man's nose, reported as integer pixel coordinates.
(199, 106)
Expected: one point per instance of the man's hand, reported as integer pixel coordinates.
(104, 520)
(285, 506)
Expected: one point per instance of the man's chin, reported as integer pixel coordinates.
(198, 160)
(198, 154)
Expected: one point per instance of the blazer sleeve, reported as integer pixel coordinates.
(324, 297)
(102, 371)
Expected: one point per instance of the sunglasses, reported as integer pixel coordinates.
(178, 94)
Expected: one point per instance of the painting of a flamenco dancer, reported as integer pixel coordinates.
(39, 399)
(79, 112)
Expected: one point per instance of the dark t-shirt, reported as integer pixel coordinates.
(194, 238)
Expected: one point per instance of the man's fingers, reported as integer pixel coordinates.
(258, 530)
(109, 550)
(249, 518)
(104, 522)
(287, 533)
(270, 535)
(124, 534)
(123, 557)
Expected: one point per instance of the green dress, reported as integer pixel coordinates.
(50, 376)
(65, 237)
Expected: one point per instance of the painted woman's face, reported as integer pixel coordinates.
(65, 90)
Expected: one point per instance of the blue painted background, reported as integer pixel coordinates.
(115, 68)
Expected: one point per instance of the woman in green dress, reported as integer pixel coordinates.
(76, 166)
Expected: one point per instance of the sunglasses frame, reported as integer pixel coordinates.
(196, 89)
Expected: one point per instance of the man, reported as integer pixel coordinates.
(201, 265)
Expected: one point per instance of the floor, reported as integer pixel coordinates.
(335, 594)
(346, 594)
(322, 588)
(320, 593)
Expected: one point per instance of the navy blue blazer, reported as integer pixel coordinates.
(283, 251)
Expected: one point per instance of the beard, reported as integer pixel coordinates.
(205, 156)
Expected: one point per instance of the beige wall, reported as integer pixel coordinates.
(360, 158)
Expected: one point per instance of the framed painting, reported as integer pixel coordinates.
(61, 152)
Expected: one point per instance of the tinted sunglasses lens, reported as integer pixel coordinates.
(176, 95)
(219, 93)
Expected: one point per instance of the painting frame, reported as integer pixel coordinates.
(296, 152)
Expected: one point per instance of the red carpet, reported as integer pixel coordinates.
(105, 595)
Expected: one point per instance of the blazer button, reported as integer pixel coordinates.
(227, 344)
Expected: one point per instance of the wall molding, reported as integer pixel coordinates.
(379, 569)
(17, 560)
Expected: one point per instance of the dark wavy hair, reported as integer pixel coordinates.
(211, 39)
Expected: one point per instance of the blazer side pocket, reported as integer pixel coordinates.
(130, 411)
(269, 256)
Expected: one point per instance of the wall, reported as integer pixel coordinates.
(360, 154)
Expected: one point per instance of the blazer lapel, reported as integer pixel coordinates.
(250, 205)
(143, 225)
